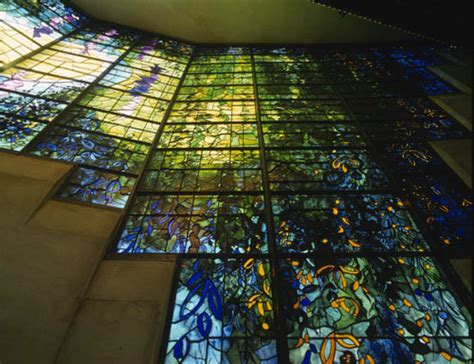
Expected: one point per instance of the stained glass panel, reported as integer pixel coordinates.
(443, 201)
(209, 136)
(92, 149)
(295, 185)
(98, 187)
(195, 224)
(16, 133)
(294, 135)
(303, 110)
(203, 170)
(65, 65)
(125, 103)
(27, 26)
(223, 313)
(213, 111)
(331, 170)
(109, 123)
(401, 305)
(88, 48)
(40, 84)
(29, 107)
(345, 223)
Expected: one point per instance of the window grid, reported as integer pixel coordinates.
(234, 220)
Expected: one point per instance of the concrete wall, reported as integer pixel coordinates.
(122, 315)
(458, 153)
(242, 21)
(59, 301)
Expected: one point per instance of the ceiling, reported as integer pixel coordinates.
(241, 21)
(438, 19)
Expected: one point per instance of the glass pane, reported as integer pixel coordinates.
(195, 224)
(223, 312)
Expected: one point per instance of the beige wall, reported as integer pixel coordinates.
(59, 302)
(241, 21)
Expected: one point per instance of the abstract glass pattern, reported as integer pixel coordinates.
(26, 26)
(88, 48)
(16, 133)
(223, 313)
(203, 170)
(70, 65)
(98, 187)
(295, 135)
(40, 84)
(195, 224)
(304, 110)
(442, 200)
(345, 223)
(25, 106)
(295, 185)
(92, 149)
(323, 170)
(376, 310)
(213, 111)
(214, 135)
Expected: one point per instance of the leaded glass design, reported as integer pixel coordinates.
(380, 310)
(311, 220)
(320, 170)
(69, 65)
(414, 64)
(224, 314)
(444, 202)
(347, 223)
(41, 84)
(91, 48)
(26, 26)
(17, 132)
(99, 187)
(25, 106)
(195, 224)
(107, 121)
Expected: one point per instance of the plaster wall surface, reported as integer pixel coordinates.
(458, 105)
(49, 253)
(457, 153)
(243, 21)
(458, 75)
(463, 268)
(123, 314)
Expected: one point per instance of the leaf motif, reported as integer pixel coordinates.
(87, 143)
(204, 323)
(52, 147)
(194, 291)
(307, 357)
(194, 278)
(113, 186)
(181, 349)
(214, 300)
(172, 226)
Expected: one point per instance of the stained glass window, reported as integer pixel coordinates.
(26, 26)
(379, 310)
(311, 220)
